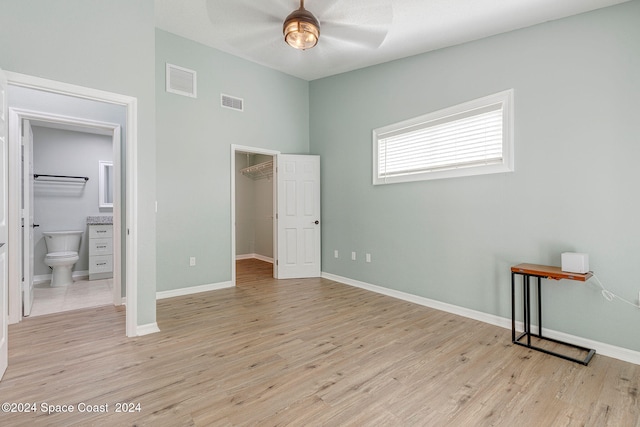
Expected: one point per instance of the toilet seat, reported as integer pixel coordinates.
(61, 255)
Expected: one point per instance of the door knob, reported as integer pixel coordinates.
(35, 225)
(316, 222)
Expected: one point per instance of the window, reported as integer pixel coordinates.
(468, 139)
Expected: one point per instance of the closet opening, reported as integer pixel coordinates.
(254, 214)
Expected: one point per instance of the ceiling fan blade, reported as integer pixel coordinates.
(353, 12)
(369, 37)
(221, 11)
(364, 23)
(240, 23)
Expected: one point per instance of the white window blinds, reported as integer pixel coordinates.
(451, 142)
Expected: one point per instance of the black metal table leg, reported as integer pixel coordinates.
(513, 308)
(526, 320)
(539, 308)
(527, 308)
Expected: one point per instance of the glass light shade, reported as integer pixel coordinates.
(301, 29)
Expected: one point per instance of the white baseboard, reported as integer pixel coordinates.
(193, 290)
(149, 328)
(254, 256)
(604, 349)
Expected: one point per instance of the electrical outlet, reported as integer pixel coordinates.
(353, 256)
(335, 253)
(192, 261)
(368, 257)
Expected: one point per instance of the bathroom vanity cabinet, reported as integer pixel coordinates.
(100, 251)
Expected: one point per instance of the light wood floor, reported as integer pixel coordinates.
(303, 352)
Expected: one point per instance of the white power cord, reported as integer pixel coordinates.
(608, 295)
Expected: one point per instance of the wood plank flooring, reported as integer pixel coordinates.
(302, 353)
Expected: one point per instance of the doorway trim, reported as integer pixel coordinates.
(131, 208)
(251, 150)
(43, 118)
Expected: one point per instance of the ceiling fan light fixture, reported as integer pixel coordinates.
(301, 29)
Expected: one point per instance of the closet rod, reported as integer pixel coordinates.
(36, 176)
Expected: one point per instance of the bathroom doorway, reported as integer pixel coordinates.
(43, 97)
(63, 182)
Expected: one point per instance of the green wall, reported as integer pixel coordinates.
(107, 45)
(194, 138)
(575, 187)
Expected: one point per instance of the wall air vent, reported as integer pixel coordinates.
(181, 81)
(231, 102)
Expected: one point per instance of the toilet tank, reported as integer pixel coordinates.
(62, 241)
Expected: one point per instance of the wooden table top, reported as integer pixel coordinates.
(549, 272)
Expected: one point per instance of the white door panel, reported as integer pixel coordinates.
(3, 226)
(298, 216)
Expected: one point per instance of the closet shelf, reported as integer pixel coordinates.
(259, 171)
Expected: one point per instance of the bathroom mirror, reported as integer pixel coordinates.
(105, 183)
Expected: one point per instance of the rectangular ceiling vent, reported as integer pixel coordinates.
(234, 103)
(181, 81)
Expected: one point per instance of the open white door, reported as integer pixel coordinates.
(4, 321)
(27, 217)
(298, 216)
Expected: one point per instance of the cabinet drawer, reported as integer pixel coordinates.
(100, 231)
(100, 264)
(100, 246)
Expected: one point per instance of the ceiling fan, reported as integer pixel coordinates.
(250, 24)
(301, 29)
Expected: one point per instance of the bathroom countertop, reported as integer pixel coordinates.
(100, 220)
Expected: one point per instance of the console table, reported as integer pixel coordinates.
(527, 271)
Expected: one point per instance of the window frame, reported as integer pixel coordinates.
(507, 165)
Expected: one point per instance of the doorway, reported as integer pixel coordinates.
(124, 162)
(296, 213)
(62, 178)
(253, 208)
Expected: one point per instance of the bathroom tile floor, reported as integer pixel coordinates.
(80, 294)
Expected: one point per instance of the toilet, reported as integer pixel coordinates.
(62, 254)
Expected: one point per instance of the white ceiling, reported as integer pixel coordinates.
(354, 33)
